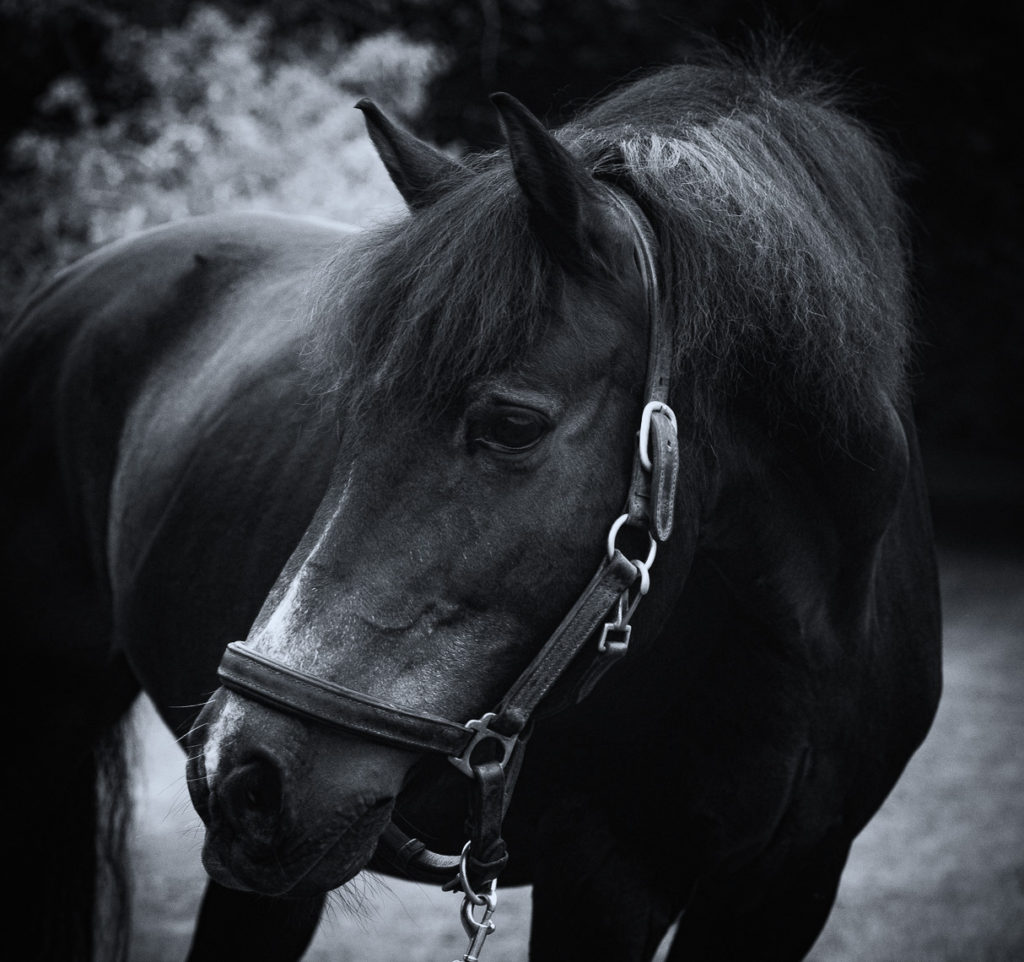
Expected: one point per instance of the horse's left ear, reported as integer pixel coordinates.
(420, 172)
(559, 189)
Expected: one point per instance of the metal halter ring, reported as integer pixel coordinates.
(483, 732)
(643, 567)
(490, 897)
(645, 429)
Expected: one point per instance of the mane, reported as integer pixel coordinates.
(780, 247)
(434, 301)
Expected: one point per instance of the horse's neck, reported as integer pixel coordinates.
(796, 525)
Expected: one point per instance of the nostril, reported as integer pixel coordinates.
(252, 796)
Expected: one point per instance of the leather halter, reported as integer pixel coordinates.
(578, 652)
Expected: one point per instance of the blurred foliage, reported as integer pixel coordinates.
(219, 125)
(87, 89)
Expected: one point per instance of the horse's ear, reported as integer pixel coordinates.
(557, 186)
(420, 172)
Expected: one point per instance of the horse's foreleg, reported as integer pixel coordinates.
(594, 895)
(245, 926)
(68, 808)
(776, 920)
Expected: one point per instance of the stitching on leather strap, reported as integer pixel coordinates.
(249, 673)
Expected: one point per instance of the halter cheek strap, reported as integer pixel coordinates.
(584, 645)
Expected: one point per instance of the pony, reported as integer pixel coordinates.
(384, 465)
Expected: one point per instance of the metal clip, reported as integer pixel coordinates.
(476, 929)
(614, 638)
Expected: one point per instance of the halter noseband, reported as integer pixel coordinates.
(618, 584)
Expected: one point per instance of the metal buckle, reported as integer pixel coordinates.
(645, 429)
(482, 732)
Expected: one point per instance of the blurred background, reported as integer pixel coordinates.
(117, 115)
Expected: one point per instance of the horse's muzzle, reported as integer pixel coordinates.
(289, 809)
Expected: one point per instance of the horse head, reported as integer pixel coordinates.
(488, 357)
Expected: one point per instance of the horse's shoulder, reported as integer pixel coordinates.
(196, 313)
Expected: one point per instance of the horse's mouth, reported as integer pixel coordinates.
(291, 868)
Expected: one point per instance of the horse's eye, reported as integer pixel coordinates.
(510, 429)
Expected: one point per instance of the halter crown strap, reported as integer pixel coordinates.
(652, 487)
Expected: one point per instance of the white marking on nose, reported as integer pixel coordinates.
(217, 735)
(274, 636)
(283, 633)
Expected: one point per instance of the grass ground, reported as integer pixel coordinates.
(938, 876)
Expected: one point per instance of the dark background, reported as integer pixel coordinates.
(940, 82)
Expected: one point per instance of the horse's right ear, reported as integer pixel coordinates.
(421, 173)
(558, 189)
